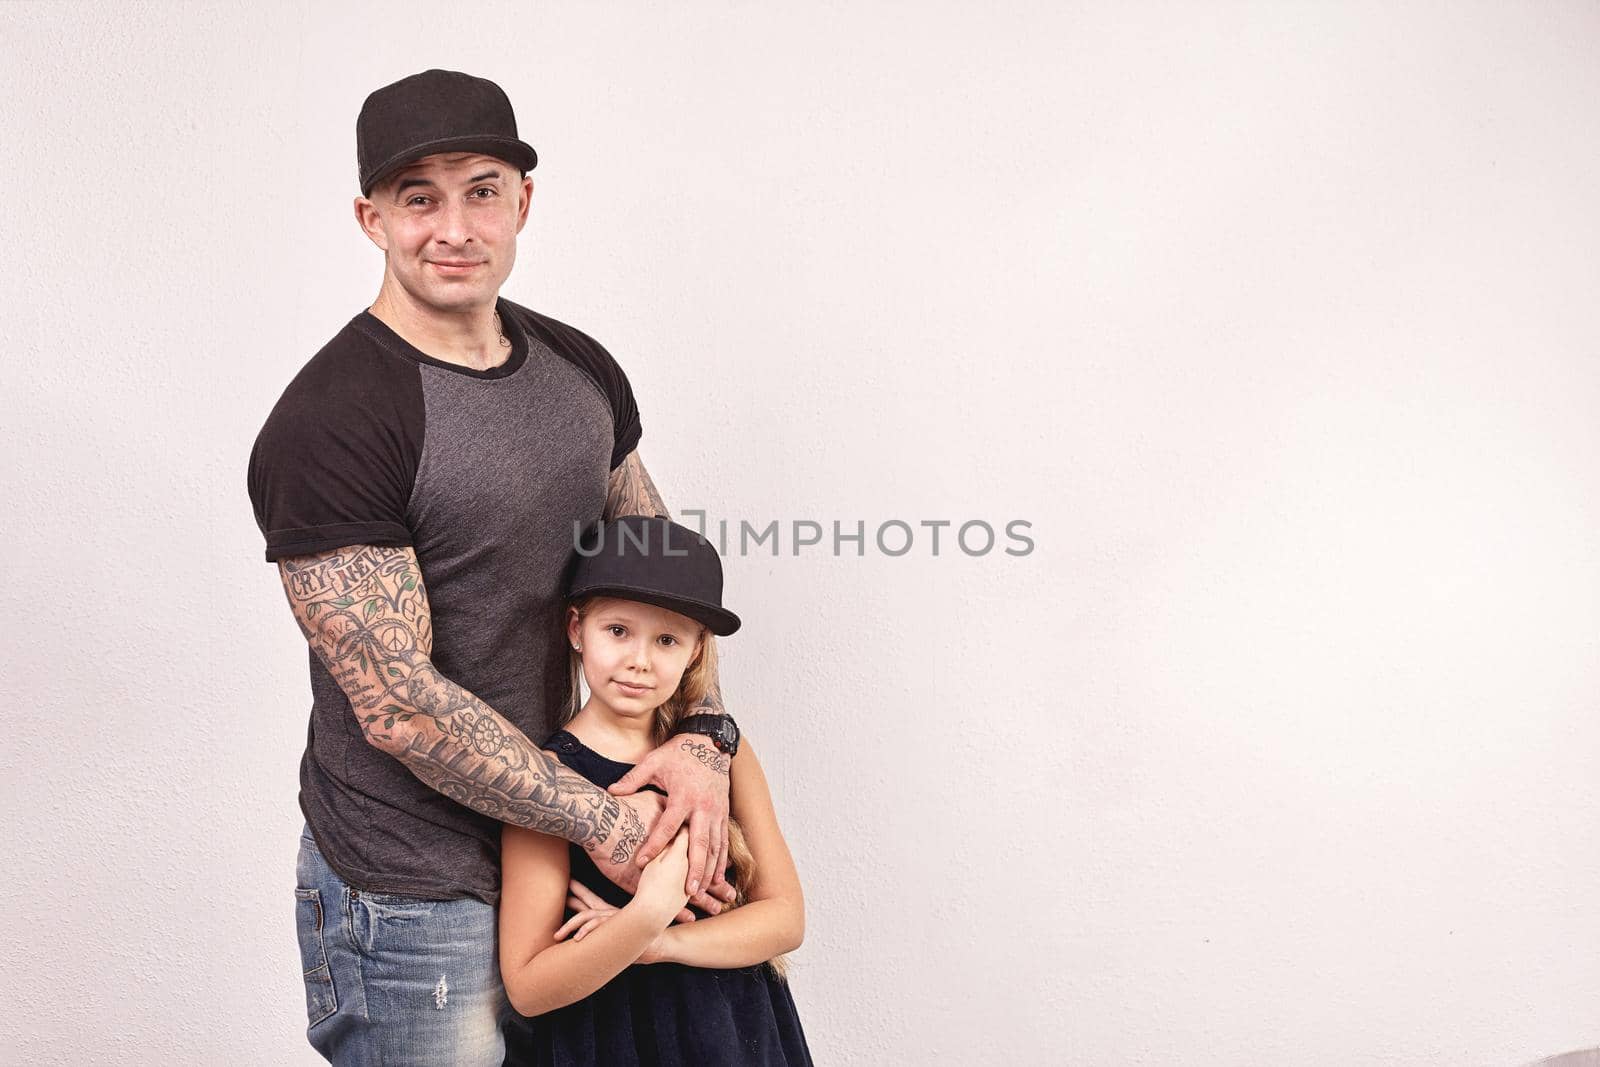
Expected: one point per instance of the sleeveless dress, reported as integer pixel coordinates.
(663, 1014)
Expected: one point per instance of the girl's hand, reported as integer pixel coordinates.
(588, 909)
(661, 884)
(589, 919)
(584, 921)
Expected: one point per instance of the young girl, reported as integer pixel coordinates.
(615, 982)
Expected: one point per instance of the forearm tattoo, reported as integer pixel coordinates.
(629, 837)
(365, 612)
(717, 761)
(631, 492)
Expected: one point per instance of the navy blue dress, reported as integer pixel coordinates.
(662, 1014)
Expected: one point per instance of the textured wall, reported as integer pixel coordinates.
(1277, 322)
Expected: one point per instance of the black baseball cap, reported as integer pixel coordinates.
(435, 111)
(655, 561)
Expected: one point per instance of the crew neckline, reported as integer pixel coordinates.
(381, 332)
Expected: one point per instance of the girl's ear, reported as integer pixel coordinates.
(699, 648)
(574, 627)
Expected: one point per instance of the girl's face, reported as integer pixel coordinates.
(633, 654)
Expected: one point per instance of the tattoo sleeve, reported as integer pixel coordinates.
(364, 611)
(631, 492)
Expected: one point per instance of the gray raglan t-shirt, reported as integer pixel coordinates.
(484, 474)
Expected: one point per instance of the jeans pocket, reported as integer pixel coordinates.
(321, 1001)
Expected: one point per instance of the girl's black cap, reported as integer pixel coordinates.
(655, 561)
(435, 111)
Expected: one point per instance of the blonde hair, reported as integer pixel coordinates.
(694, 687)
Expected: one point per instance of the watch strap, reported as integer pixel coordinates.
(715, 727)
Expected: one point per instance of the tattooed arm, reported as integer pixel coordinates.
(631, 491)
(688, 767)
(365, 612)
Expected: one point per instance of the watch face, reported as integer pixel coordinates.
(727, 734)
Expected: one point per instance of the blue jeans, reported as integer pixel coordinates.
(393, 979)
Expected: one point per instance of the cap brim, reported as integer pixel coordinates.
(519, 154)
(719, 621)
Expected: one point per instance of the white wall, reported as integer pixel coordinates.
(1277, 321)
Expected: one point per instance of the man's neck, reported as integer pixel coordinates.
(467, 339)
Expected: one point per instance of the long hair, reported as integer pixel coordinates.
(694, 687)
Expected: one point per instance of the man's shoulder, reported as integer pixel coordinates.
(353, 376)
(355, 349)
(529, 317)
(567, 340)
(605, 373)
(354, 363)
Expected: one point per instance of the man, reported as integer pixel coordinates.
(419, 485)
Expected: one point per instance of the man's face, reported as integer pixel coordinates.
(448, 226)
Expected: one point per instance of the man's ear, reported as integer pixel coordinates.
(371, 223)
(527, 201)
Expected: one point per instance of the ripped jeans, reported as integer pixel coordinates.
(396, 980)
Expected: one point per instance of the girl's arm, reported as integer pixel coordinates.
(773, 920)
(541, 974)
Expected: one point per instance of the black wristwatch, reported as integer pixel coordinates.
(722, 730)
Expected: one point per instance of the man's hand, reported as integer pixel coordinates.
(695, 776)
(615, 855)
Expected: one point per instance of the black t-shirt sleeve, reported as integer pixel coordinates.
(336, 460)
(589, 356)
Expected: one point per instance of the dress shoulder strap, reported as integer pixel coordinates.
(585, 760)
